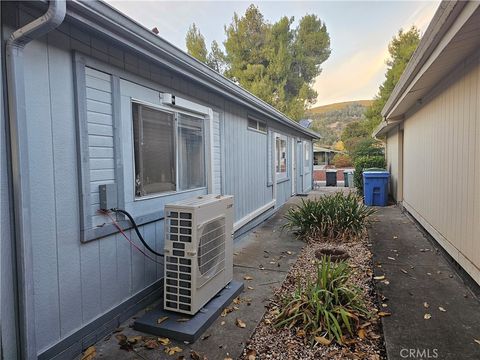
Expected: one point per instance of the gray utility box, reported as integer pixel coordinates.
(108, 196)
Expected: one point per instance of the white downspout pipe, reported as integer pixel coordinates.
(17, 129)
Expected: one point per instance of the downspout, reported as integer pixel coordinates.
(17, 127)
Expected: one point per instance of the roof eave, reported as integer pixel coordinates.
(103, 18)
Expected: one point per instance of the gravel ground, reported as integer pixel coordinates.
(268, 342)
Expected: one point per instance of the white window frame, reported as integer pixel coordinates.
(307, 157)
(175, 114)
(280, 176)
(257, 125)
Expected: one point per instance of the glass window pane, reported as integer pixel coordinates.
(191, 152)
(154, 150)
(252, 124)
(262, 126)
(281, 156)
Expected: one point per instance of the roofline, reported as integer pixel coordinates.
(439, 25)
(111, 23)
(384, 127)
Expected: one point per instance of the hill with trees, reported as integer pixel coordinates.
(330, 120)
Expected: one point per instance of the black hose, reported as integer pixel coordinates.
(124, 212)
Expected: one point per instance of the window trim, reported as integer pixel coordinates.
(175, 113)
(281, 176)
(257, 128)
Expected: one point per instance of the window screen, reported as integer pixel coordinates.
(257, 125)
(191, 152)
(154, 150)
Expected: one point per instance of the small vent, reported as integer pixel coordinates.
(211, 250)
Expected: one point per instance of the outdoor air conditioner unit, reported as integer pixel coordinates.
(198, 251)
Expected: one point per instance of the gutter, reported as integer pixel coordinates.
(17, 128)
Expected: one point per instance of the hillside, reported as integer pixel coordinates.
(330, 120)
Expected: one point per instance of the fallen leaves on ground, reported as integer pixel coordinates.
(251, 355)
(134, 339)
(250, 287)
(151, 344)
(362, 334)
(442, 309)
(123, 342)
(240, 323)
(164, 341)
(226, 311)
(322, 340)
(383, 314)
(477, 341)
(162, 319)
(247, 278)
(427, 316)
(172, 350)
(426, 305)
(381, 277)
(90, 353)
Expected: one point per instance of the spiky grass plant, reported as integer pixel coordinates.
(326, 307)
(336, 216)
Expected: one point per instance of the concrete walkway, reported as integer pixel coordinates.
(264, 256)
(434, 315)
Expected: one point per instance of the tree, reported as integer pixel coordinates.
(401, 49)
(196, 44)
(216, 58)
(274, 61)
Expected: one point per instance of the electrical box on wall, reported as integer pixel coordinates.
(108, 196)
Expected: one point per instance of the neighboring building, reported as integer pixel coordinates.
(102, 100)
(323, 156)
(432, 130)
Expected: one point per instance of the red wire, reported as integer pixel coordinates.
(107, 213)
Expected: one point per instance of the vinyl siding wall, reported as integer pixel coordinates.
(77, 282)
(392, 150)
(442, 166)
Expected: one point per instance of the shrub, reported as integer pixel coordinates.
(342, 161)
(366, 147)
(336, 216)
(365, 162)
(327, 306)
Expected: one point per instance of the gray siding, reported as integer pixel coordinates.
(77, 282)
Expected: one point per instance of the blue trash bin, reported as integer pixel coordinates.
(375, 188)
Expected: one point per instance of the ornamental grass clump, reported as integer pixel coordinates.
(336, 217)
(325, 308)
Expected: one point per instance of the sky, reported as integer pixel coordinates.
(359, 33)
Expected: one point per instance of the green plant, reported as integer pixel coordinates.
(336, 216)
(365, 162)
(341, 161)
(328, 306)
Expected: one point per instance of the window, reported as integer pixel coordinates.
(281, 156)
(160, 150)
(257, 125)
(306, 146)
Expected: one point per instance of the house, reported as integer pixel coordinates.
(432, 131)
(323, 156)
(93, 98)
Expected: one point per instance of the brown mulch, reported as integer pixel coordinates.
(268, 342)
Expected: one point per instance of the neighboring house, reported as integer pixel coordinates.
(432, 130)
(323, 156)
(102, 100)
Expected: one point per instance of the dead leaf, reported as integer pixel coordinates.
(134, 339)
(250, 287)
(477, 341)
(442, 309)
(183, 320)
(382, 277)
(164, 341)
(404, 271)
(426, 305)
(364, 325)
(383, 313)
(251, 354)
(162, 319)
(395, 237)
(301, 333)
(391, 258)
(240, 323)
(117, 330)
(222, 323)
(427, 316)
(151, 344)
(237, 301)
(228, 358)
(289, 253)
(173, 350)
(194, 355)
(121, 338)
(362, 334)
(322, 340)
(226, 311)
(247, 278)
(205, 337)
(90, 353)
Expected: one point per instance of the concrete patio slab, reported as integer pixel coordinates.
(419, 280)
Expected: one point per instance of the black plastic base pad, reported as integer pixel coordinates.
(192, 329)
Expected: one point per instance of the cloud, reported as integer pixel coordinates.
(354, 77)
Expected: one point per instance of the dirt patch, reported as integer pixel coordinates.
(268, 342)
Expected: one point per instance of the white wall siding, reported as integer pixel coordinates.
(442, 167)
(392, 161)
